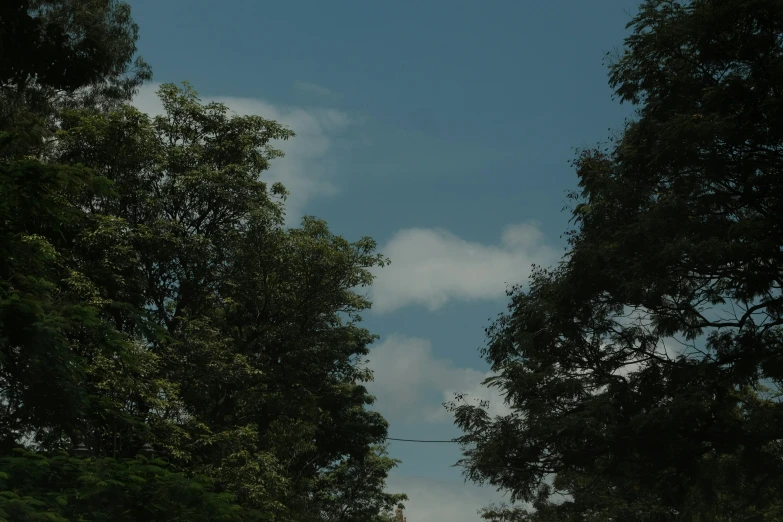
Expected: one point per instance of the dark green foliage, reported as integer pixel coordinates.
(62, 488)
(54, 332)
(66, 44)
(352, 489)
(172, 307)
(257, 324)
(63, 53)
(150, 295)
(675, 413)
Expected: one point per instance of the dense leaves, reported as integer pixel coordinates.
(256, 324)
(644, 372)
(63, 53)
(152, 297)
(66, 44)
(62, 488)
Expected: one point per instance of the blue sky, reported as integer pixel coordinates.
(442, 129)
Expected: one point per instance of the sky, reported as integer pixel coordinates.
(443, 129)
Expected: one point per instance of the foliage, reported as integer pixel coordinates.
(62, 488)
(644, 372)
(54, 337)
(252, 326)
(352, 489)
(67, 44)
(150, 294)
(63, 53)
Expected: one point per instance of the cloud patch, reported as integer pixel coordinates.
(432, 266)
(411, 384)
(309, 161)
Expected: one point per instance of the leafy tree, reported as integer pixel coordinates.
(63, 364)
(66, 370)
(62, 488)
(254, 325)
(68, 44)
(63, 53)
(40, 301)
(352, 490)
(53, 330)
(644, 371)
(151, 295)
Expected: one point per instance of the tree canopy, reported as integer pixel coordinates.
(643, 372)
(63, 53)
(168, 349)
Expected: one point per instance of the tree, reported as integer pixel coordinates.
(62, 488)
(67, 372)
(644, 371)
(54, 332)
(254, 325)
(352, 490)
(68, 44)
(184, 315)
(63, 364)
(63, 53)
(150, 295)
(53, 329)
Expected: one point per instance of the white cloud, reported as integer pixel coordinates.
(433, 266)
(442, 501)
(308, 162)
(411, 384)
